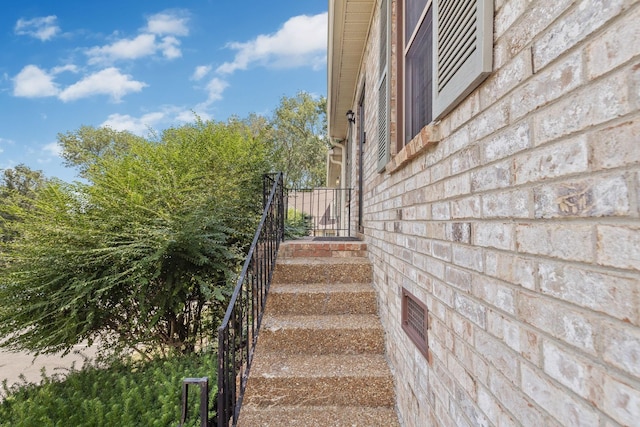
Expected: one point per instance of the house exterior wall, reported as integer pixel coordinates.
(520, 228)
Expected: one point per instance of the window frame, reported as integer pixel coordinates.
(402, 49)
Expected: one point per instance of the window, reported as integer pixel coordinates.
(417, 57)
(415, 321)
(446, 52)
(362, 136)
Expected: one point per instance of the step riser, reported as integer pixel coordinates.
(322, 303)
(348, 416)
(314, 341)
(324, 273)
(359, 391)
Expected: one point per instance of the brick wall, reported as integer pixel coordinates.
(520, 229)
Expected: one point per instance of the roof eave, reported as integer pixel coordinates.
(349, 24)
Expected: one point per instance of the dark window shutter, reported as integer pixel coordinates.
(463, 44)
(383, 88)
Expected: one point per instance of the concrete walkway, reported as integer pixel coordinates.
(14, 364)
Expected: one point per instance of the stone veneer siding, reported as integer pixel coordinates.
(520, 228)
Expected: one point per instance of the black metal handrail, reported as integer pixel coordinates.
(237, 335)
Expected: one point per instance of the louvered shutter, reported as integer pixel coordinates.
(383, 88)
(463, 46)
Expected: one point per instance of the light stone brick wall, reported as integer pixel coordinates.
(520, 229)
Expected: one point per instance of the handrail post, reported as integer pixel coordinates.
(204, 399)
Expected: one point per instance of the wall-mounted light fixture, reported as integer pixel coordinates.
(351, 116)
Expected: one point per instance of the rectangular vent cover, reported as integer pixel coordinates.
(415, 320)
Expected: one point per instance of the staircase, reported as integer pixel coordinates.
(320, 354)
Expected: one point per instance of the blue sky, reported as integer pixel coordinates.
(136, 65)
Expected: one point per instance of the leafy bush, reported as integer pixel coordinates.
(297, 224)
(140, 256)
(127, 393)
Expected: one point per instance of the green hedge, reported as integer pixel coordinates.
(298, 224)
(123, 394)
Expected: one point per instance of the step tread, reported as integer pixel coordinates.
(319, 270)
(278, 365)
(321, 298)
(320, 288)
(311, 416)
(323, 260)
(336, 321)
(292, 248)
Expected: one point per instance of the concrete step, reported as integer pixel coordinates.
(322, 298)
(306, 416)
(319, 380)
(312, 248)
(323, 270)
(325, 334)
(320, 354)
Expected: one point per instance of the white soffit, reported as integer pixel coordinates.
(349, 22)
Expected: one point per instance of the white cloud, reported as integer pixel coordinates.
(215, 88)
(33, 82)
(61, 69)
(301, 41)
(174, 23)
(109, 81)
(141, 46)
(200, 72)
(170, 47)
(167, 115)
(188, 116)
(137, 125)
(53, 149)
(160, 36)
(42, 28)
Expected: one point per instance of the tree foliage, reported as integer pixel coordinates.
(18, 186)
(21, 179)
(140, 257)
(84, 147)
(297, 135)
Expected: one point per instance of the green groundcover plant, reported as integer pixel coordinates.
(126, 393)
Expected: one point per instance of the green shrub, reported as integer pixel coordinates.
(297, 224)
(127, 393)
(139, 256)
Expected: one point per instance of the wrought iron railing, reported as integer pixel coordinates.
(320, 211)
(237, 335)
